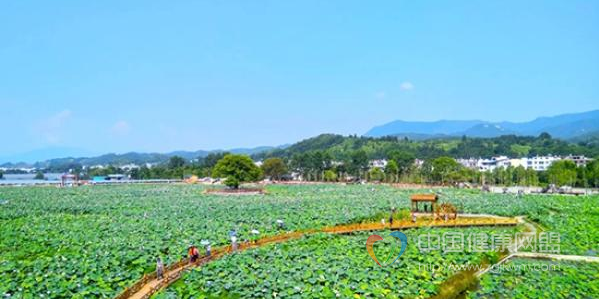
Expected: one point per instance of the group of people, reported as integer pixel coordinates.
(194, 254)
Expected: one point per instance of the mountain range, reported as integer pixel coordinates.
(565, 126)
(574, 127)
(126, 158)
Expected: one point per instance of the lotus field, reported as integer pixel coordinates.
(95, 241)
(325, 266)
(525, 278)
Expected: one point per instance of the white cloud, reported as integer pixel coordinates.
(380, 95)
(121, 128)
(406, 85)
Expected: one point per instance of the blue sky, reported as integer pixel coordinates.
(117, 76)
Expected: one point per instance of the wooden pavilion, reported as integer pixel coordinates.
(431, 199)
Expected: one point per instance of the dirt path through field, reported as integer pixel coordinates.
(149, 284)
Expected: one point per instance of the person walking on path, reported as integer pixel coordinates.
(234, 245)
(391, 216)
(193, 253)
(207, 246)
(159, 268)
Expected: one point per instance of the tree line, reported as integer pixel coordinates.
(331, 157)
(400, 168)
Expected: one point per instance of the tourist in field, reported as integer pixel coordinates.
(207, 246)
(159, 268)
(234, 245)
(280, 224)
(391, 216)
(193, 253)
(208, 250)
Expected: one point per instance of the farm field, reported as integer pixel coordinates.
(525, 278)
(575, 218)
(95, 241)
(326, 266)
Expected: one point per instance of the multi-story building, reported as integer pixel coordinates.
(494, 162)
(541, 163)
(538, 163)
(518, 162)
(469, 163)
(579, 160)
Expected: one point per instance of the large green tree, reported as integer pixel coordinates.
(39, 176)
(236, 169)
(392, 171)
(358, 163)
(444, 169)
(274, 168)
(592, 173)
(562, 173)
(176, 162)
(403, 159)
(330, 176)
(532, 178)
(376, 175)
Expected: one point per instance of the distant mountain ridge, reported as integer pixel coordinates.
(564, 126)
(134, 158)
(574, 127)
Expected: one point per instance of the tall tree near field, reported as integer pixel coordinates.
(237, 169)
(520, 175)
(176, 162)
(39, 176)
(376, 174)
(592, 173)
(392, 171)
(299, 162)
(532, 178)
(443, 168)
(358, 163)
(562, 172)
(581, 177)
(274, 168)
(135, 173)
(330, 176)
(404, 160)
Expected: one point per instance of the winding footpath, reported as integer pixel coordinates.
(150, 284)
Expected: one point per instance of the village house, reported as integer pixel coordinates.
(541, 163)
(380, 163)
(579, 160)
(538, 163)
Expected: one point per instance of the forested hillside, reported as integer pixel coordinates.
(342, 147)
